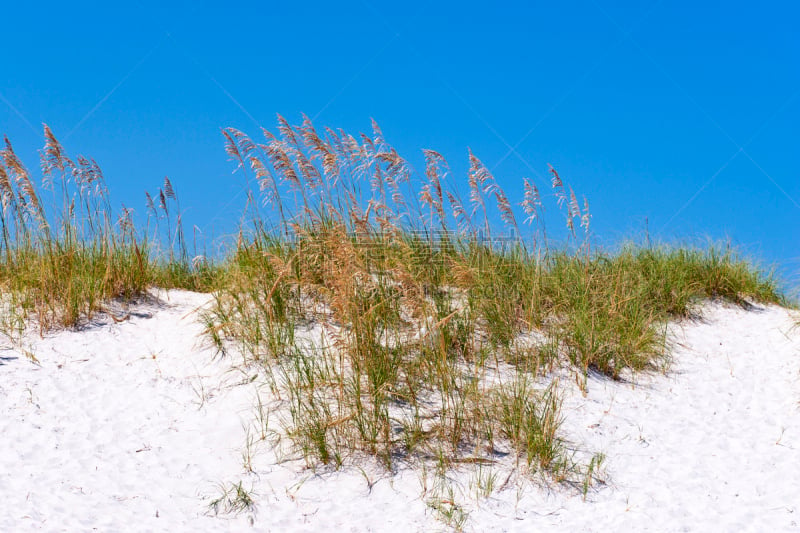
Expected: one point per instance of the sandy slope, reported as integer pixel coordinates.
(133, 426)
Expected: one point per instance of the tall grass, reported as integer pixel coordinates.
(64, 253)
(394, 320)
(392, 314)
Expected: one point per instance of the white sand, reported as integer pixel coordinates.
(133, 426)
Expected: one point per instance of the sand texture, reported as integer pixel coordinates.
(135, 426)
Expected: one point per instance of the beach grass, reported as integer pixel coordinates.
(391, 318)
(392, 323)
(65, 253)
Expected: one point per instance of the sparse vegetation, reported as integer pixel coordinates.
(233, 498)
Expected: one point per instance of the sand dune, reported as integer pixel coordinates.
(135, 426)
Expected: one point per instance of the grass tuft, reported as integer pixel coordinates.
(393, 324)
(64, 258)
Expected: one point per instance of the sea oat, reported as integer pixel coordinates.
(586, 217)
(232, 149)
(52, 157)
(276, 150)
(169, 192)
(434, 162)
(504, 206)
(27, 192)
(243, 141)
(151, 207)
(376, 130)
(286, 131)
(558, 187)
(531, 201)
(460, 214)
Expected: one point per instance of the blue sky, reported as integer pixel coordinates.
(684, 114)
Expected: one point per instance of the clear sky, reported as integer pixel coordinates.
(684, 114)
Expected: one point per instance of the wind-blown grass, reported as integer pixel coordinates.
(63, 252)
(387, 310)
(392, 323)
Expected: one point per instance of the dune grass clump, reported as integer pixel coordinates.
(63, 252)
(615, 306)
(377, 323)
(394, 320)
